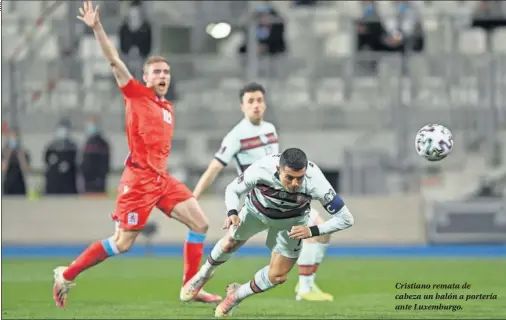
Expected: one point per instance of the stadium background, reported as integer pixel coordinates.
(359, 128)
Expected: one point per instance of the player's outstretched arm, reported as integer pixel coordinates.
(90, 16)
(213, 170)
(341, 218)
(230, 146)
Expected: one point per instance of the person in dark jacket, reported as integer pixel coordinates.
(61, 166)
(96, 159)
(135, 32)
(15, 165)
(489, 15)
(270, 31)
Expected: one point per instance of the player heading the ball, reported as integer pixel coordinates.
(279, 191)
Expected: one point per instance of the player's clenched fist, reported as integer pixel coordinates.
(300, 232)
(231, 221)
(89, 15)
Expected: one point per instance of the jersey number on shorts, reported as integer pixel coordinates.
(167, 117)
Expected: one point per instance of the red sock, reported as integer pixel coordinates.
(193, 253)
(306, 270)
(93, 255)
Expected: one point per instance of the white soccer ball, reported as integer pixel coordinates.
(434, 142)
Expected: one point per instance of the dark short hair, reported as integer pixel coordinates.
(251, 87)
(294, 159)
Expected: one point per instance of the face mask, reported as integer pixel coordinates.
(369, 9)
(263, 8)
(13, 142)
(62, 132)
(91, 129)
(402, 7)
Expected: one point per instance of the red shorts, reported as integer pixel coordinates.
(139, 193)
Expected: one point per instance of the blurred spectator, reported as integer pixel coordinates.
(404, 32)
(15, 165)
(489, 190)
(135, 35)
(369, 28)
(370, 34)
(5, 128)
(135, 32)
(489, 15)
(305, 3)
(96, 155)
(270, 31)
(60, 159)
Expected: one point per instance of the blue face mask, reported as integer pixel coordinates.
(13, 142)
(403, 7)
(263, 8)
(369, 9)
(91, 129)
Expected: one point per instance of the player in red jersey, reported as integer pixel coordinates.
(145, 184)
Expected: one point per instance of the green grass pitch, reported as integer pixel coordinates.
(148, 288)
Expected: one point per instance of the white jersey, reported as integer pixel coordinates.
(246, 143)
(268, 197)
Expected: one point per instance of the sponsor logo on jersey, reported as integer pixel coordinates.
(258, 141)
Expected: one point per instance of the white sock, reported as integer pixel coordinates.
(305, 283)
(320, 254)
(260, 283)
(307, 262)
(216, 258)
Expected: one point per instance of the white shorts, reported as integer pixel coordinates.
(253, 222)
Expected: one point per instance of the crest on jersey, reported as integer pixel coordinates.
(264, 139)
(329, 195)
(132, 218)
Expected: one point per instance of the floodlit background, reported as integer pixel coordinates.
(349, 82)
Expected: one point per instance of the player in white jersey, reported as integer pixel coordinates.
(280, 189)
(251, 139)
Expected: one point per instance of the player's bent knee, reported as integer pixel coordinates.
(200, 227)
(190, 214)
(231, 245)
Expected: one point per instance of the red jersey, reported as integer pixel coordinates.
(149, 127)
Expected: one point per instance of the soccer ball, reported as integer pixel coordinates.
(434, 142)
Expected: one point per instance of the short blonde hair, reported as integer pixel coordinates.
(154, 59)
